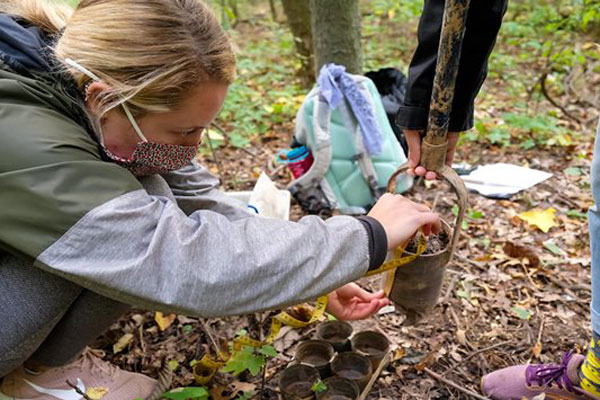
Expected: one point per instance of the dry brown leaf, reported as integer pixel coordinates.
(461, 336)
(517, 250)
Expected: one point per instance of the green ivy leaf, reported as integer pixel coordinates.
(185, 393)
(575, 214)
(553, 247)
(521, 312)
(573, 171)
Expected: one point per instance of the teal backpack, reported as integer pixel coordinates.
(343, 176)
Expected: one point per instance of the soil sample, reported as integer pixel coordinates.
(315, 353)
(336, 333)
(296, 382)
(435, 243)
(371, 344)
(354, 367)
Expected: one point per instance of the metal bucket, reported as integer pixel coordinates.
(414, 288)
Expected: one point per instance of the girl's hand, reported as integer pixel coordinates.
(402, 218)
(351, 302)
(414, 139)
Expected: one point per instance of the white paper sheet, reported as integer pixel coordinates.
(502, 180)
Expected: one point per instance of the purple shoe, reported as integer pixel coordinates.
(557, 381)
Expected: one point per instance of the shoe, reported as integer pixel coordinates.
(89, 373)
(556, 381)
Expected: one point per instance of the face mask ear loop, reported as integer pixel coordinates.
(133, 123)
(95, 77)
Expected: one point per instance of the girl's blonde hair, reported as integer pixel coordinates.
(149, 52)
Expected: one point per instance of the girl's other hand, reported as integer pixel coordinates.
(351, 302)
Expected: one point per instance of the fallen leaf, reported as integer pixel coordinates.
(537, 349)
(164, 321)
(521, 312)
(122, 343)
(553, 247)
(543, 219)
(517, 250)
(241, 387)
(461, 336)
(96, 393)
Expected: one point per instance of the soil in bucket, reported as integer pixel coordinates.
(299, 389)
(435, 243)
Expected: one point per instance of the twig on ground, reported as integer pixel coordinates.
(473, 354)
(454, 385)
(554, 102)
(449, 290)
(206, 329)
(477, 264)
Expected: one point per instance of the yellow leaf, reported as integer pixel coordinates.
(391, 13)
(543, 219)
(164, 321)
(122, 343)
(96, 393)
(537, 349)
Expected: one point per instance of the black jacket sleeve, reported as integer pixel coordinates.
(483, 23)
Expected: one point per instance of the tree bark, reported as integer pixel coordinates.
(297, 13)
(273, 10)
(336, 33)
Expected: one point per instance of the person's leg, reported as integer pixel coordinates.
(576, 376)
(54, 319)
(32, 303)
(590, 371)
(89, 316)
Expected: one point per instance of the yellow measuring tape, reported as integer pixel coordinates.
(283, 318)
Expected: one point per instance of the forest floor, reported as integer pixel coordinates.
(512, 293)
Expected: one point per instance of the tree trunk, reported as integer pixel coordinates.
(336, 33)
(273, 10)
(297, 13)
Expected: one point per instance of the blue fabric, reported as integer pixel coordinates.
(335, 85)
(594, 223)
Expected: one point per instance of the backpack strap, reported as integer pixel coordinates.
(365, 163)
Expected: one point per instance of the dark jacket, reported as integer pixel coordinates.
(483, 23)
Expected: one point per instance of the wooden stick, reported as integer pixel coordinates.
(384, 363)
(454, 385)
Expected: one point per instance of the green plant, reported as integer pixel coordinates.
(319, 386)
(187, 393)
(249, 358)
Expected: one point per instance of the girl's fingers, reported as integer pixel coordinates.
(430, 175)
